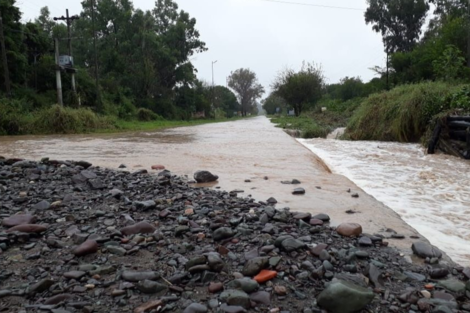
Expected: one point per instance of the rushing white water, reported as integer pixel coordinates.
(430, 192)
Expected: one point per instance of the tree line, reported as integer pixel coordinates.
(142, 60)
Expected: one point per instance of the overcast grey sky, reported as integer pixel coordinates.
(268, 36)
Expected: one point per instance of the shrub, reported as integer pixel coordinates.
(127, 110)
(58, 119)
(146, 115)
(315, 131)
(13, 117)
(404, 113)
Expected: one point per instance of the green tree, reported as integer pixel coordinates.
(274, 104)
(399, 21)
(247, 88)
(44, 21)
(225, 100)
(300, 89)
(450, 65)
(14, 45)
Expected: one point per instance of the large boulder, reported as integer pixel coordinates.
(344, 297)
(205, 177)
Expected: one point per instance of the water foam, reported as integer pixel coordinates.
(430, 192)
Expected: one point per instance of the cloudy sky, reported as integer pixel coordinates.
(269, 35)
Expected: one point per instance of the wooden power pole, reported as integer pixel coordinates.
(57, 73)
(5, 61)
(95, 51)
(69, 19)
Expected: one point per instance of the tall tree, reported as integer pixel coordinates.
(399, 21)
(14, 45)
(45, 21)
(246, 86)
(300, 89)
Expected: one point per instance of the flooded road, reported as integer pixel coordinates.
(236, 151)
(430, 192)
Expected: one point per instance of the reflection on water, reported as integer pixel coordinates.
(430, 192)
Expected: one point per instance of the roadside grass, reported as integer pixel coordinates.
(17, 120)
(403, 114)
(317, 124)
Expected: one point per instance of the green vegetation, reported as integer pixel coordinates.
(143, 73)
(315, 124)
(64, 120)
(406, 113)
(426, 78)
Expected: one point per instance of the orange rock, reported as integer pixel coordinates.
(189, 211)
(158, 167)
(28, 228)
(429, 286)
(349, 229)
(264, 276)
(146, 307)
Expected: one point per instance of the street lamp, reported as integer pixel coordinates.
(213, 94)
(213, 62)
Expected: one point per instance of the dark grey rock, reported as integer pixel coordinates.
(254, 266)
(344, 297)
(425, 250)
(205, 177)
(222, 233)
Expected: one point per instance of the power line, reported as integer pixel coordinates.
(314, 5)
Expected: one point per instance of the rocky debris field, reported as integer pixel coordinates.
(78, 238)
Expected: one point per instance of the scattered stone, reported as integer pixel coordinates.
(236, 298)
(205, 177)
(195, 308)
(42, 205)
(298, 191)
(254, 266)
(349, 229)
(323, 217)
(149, 306)
(28, 228)
(88, 247)
(265, 276)
(18, 219)
(271, 201)
(353, 297)
(223, 233)
(139, 228)
(425, 250)
(139, 276)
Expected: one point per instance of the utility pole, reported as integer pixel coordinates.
(57, 73)
(5, 61)
(69, 19)
(388, 86)
(95, 52)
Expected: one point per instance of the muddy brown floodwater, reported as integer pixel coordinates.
(236, 151)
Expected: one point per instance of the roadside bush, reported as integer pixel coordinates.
(146, 115)
(126, 110)
(403, 114)
(13, 117)
(314, 130)
(63, 120)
